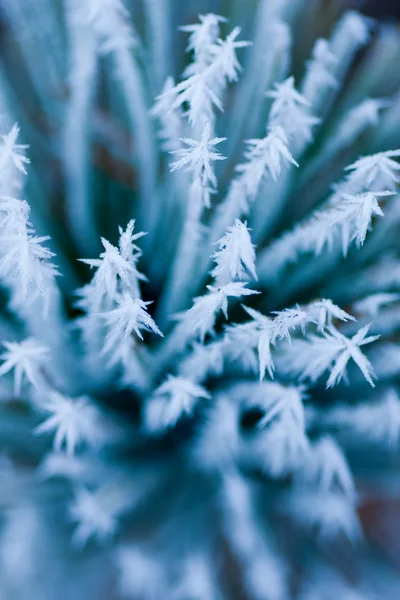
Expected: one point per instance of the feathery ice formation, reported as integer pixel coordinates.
(200, 365)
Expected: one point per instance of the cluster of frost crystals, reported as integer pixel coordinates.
(200, 364)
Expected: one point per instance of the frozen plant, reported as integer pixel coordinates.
(200, 300)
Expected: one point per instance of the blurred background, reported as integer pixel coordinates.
(378, 9)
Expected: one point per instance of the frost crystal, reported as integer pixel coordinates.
(264, 156)
(26, 359)
(175, 397)
(199, 156)
(74, 420)
(331, 351)
(131, 315)
(235, 254)
(11, 151)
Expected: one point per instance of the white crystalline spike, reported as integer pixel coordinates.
(327, 467)
(203, 35)
(267, 155)
(174, 398)
(129, 316)
(377, 170)
(345, 217)
(11, 151)
(286, 320)
(309, 358)
(198, 157)
(72, 420)
(291, 111)
(200, 319)
(235, 254)
(26, 359)
(214, 66)
(322, 312)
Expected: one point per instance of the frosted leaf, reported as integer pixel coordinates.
(280, 400)
(322, 312)
(127, 247)
(203, 360)
(26, 359)
(379, 170)
(197, 92)
(61, 464)
(130, 315)
(371, 305)
(264, 333)
(376, 421)
(11, 151)
(327, 466)
(288, 319)
(109, 19)
(225, 55)
(331, 351)
(263, 339)
(283, 448)
(24, 260)
(116, 277)
(291, 111)
(170, 120)
(350, 218)
(140, 574)
(196, 573)
(73, 420)
(279, 443)
(213, 421)
(235, 254)
(327, 514)
(110, 267)
(219, 440)
(174, 398)
(361, 207)
(352, 27)
(240, 347)
(285, 97)
(200, 319)
(319, 75)
(97, 513)
(324, 583)
(350, 348)
(263, 156)
(351, 126)
(198, 157)
(202, 37)
(214, 66)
